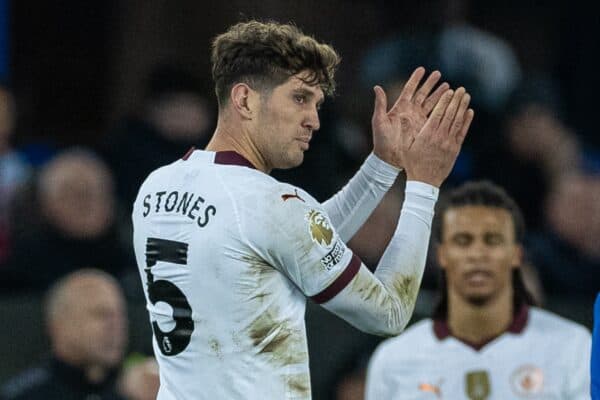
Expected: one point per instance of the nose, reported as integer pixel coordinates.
(477, 250)
(312, 121)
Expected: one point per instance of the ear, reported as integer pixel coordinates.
(242, 98)
(517, 258)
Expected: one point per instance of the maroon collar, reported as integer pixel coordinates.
(225, 157)
(188, 153)
(232, 158)
(442, 330)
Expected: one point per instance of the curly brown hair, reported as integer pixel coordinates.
(266, 54)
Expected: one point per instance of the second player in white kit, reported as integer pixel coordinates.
(540, 356)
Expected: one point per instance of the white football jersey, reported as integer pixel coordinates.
(541, 356)
(227, 255)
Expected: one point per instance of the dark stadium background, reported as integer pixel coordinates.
(75, 68)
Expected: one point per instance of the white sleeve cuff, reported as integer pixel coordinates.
(420, 199)
(381, 170)
(423, 189)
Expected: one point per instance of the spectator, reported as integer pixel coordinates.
(567, 254)
(87, 326)
(476, 58)
(68, 220)
(557, 188)
(175, 115)
(485, 341)
(533, 144)
(14, 170)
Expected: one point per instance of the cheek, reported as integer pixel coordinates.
(507, 259)
(451, 259)
(452, 269)
(283, 122)
(270, 131)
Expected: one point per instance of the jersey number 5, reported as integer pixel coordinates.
(176, 340)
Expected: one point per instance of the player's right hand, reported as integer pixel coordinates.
(432, 154)
(395, 129)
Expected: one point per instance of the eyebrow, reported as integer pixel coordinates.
(461, 234)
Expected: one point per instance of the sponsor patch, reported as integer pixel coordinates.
(334, 256)
(477, 385)
(527, 380)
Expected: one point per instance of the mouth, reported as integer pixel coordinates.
(478, 277)
(304, 143)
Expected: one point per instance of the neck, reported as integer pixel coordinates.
(236, 137)
(479, 323)
(94, 373)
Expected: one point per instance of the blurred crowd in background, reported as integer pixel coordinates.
(66, 188)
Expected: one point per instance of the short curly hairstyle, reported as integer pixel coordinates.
(266, 54)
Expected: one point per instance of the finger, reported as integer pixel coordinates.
(450, 112)
(380, 108)
(411, 85)
(460, 138)
(438, 111)
(426, 87)
(432, 100)
(459, 118)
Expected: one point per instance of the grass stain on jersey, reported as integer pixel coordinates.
(256, 278)
(373, 291)
(215, 347)
(369, 289)
(299, 385)
(277, 339)
(406, 287)
(281, 345)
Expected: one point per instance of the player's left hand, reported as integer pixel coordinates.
(395, 130)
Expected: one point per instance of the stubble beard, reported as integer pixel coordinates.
(480, 299)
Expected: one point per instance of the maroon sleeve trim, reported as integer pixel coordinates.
(340, 283)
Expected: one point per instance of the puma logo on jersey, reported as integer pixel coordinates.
(285, 197)
(428, 387)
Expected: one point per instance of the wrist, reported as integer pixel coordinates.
(381, 164)
(389, 159)
(426, 180)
